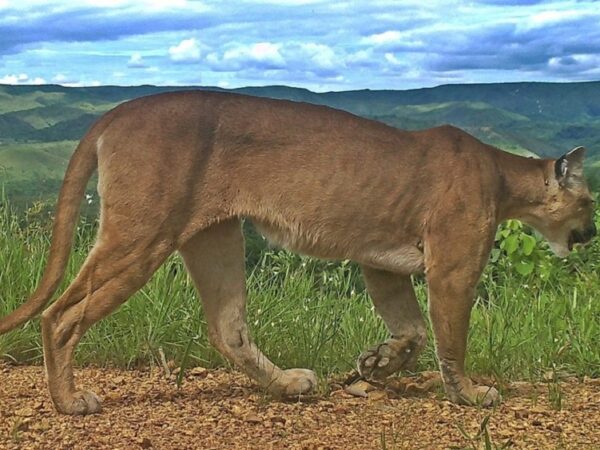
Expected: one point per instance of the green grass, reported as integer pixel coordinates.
(308, 313)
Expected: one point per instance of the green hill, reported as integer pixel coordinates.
(39, 125)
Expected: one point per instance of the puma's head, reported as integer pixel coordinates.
(567, 216)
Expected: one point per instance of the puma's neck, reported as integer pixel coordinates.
(524, 185)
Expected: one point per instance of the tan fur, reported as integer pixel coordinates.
(179, 171)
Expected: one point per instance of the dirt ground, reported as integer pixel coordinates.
(218, 409)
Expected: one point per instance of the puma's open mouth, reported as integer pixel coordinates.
(577, 237)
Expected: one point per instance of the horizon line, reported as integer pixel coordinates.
(219, 88)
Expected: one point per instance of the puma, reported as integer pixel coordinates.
(179, 171)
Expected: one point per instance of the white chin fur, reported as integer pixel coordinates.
(560, 250)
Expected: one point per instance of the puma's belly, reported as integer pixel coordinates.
(405, 259)
(392, 256)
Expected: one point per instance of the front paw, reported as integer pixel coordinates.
(485, 396)
(385, 359)
(79, 404)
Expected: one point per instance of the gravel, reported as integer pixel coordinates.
(221, 409)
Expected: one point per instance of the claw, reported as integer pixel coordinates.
(385, 359)
(370, 362)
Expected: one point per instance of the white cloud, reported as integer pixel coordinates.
(293, 56)
(187, 50)
(554, 16)
(136, 61)
(69, 81)
(264, 52)
(146, 4)
(21, 78)
(61, 78)
(392, 59)
(386, 37)
(360, 58)
(168, 4)
(321, 56)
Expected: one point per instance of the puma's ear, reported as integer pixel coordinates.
(569, 166)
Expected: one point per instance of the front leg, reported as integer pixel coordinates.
(453, 271)
(394, 299)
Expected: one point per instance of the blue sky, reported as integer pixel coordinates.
(317, 44)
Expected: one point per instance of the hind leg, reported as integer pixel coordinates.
(112, 272)
(394, 299)
(215, 261)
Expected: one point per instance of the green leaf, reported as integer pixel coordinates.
(511, 243)
(495, 254)
(524, 267)
(514, 224)
(528, 244)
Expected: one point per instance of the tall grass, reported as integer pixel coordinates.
(308, 313)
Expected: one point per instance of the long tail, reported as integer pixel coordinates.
(83, 163)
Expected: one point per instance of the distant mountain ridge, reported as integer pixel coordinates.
(539, 117)
(42, 123)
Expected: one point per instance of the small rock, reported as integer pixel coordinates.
(539, 410)
(198, 371)
(521, 387)
(252, 418)
(521, 413)
(112, 396)
(590, 380)
(356, 391)
(554, 427)
(38, 405)
(25, 412)
(278, 419)
(340, 409)
(377, 395)
(237, 411)
(43, 425)
(360, 388)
